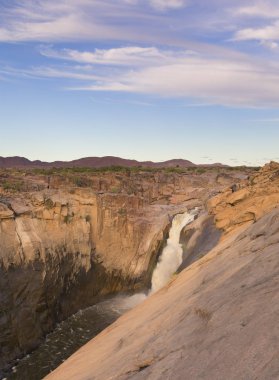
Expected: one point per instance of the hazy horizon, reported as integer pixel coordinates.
(141, 161)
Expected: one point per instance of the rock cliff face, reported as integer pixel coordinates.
(219, 311)
(248, 201)
(66, 240)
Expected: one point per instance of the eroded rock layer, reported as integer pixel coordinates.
(245, 203)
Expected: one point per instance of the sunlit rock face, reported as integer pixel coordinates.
(249, 201)
(66, 241)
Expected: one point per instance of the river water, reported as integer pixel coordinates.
(70, 335)
(77, 330)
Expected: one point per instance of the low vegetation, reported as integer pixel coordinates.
(135, 169)
(203, 314)
(67, 219)
(99, 179)
(49, 204)
(13, 186)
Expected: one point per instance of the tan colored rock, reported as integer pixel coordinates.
(5, 212)
(233, 210)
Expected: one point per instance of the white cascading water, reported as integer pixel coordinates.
(171, 257)
(169, 261)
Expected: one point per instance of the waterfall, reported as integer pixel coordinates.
(169, 262)
(171, 257)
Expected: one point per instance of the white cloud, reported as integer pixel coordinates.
(126, 20)
(215, 75)
(227, 81)
(269, 32)
(126, 56)
(121, 56)
(72, 73)
(272, 45)
(265, 11)
(261, 9)
(167, 4)
(49, 21)
(73, 20)
(161, 5)
(217, 82)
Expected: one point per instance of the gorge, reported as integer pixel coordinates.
(77, 330)
(69, 239)
(221, 309)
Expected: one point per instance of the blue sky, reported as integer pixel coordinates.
(143, 79)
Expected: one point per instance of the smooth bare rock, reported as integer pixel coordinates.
(5, 212)
(218, 319)
(198, 238)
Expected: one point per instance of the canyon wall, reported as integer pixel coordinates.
(67, 240)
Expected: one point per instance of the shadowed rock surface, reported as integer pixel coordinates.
(198, 239)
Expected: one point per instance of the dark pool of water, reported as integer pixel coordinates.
(70, 335)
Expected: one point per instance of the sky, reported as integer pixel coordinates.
(141, 79)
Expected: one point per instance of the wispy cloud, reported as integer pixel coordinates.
(266, 29)
(168, 4)
(272, 45)
(121, 101)
(260, 9)
(73, 20)
(269, 32)
(138, 20)
(203, 79)
(146, 50)
(209, 80)
(72, 73)
(122, 56)
(172, 74)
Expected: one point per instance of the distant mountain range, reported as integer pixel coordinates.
(95, 162)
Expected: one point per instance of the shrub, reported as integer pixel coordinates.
(201, 171)
(115, 189)
(122, 211)
(82, 181)
(49, 203)
(67, 219)
(204, 314)
(13, 186)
